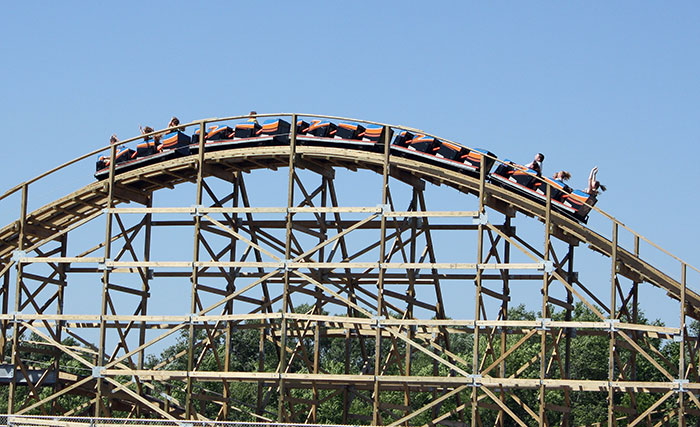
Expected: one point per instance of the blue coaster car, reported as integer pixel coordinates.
(517, 174)
(123, 155)
(581, 203)
(275, 127)
(559, 189)
(278, 129)
(420, 143)
(471, 158)
(214, 133)
(403, 139)
(247, 130)
(322, 128)
(476, 157)
(375, 133)
(350, 131)
(424, 144)
(444, 153)
(302, 127)
(177, 141)
(574, 203)
(146, 148)
(452, 152)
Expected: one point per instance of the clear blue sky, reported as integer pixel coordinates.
(587, 83)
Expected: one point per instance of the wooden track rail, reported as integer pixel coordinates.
(374, 302)
(90, 201)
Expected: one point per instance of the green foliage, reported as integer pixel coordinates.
(252, 348)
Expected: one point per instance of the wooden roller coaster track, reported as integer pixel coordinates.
(483, 385)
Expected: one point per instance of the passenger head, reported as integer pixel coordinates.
(146, 129)
(173, 122)
(562, 175)
(600, 186)
(113, 139)
(253, 113)
(539, 157)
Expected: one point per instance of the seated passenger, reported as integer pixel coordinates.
(536, 165)
(252, 118)
(103, 161)
(593, 184)
(147, 130)
(174, 121)
(561, 176)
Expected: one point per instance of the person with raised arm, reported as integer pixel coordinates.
(594, 186)
(146, 130)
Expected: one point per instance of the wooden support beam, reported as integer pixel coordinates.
(127, 194)
(212, 169)
(323, 170)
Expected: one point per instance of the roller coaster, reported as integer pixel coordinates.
(372, 277)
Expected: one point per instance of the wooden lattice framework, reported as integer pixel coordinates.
(374, 300)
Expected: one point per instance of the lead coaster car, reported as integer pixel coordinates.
(581, 202)
(520, 179)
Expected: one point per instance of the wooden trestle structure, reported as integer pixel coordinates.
(372, 267)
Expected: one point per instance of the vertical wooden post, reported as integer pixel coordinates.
(230, 288)
(4, 324)
(60, 292)
(281, 412)
(145, 289)
(18, 301)
(261, 367)
(566, 417)
(145, 286)
(477, 304)
(635, 314)
(613, 304)
(195, 272)
(545, 308)
(504, 314)
(376, 419)
(105, 278)
(681, 354)
(411, 293)
(319, 303)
